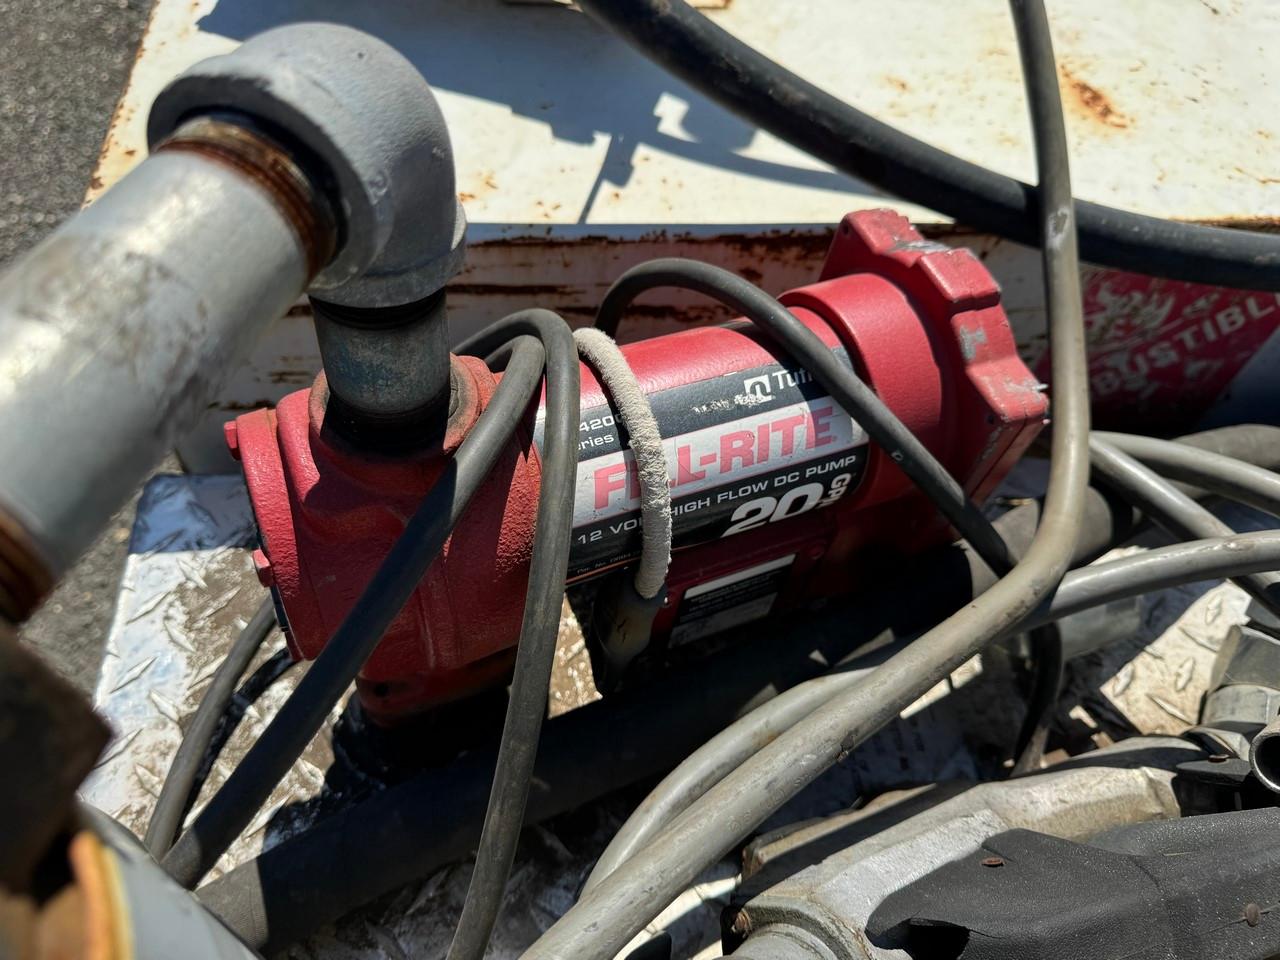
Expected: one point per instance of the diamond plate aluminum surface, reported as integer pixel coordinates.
(189, 587)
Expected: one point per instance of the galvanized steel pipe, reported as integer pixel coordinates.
(313, 156)
(365, 115)
(115, 330)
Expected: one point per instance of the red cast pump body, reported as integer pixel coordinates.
(777, 497)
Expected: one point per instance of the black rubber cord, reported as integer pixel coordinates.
(767, 95)
(243, 793)
(175, 794)
(535, 655)
(854, 396)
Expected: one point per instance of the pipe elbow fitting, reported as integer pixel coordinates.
(373, 132)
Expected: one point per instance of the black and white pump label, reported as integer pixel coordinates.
(729, 601)
(743, 450)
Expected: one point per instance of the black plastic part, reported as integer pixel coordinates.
(659, 948)
(1189, 889)
(539, 628)
(1219, 770)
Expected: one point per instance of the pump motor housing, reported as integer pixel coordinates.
(777, 496)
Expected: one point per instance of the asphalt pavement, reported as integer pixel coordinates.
(63, 66)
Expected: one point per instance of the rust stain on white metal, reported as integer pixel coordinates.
(945, 72)
(1088, 101)
(171, 42)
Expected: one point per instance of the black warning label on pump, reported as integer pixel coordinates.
(743, 450)
(729, 601)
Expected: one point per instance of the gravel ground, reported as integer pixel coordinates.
(63, 66)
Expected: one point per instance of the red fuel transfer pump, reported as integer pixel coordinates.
(776, 494)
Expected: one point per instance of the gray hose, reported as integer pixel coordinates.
(1080, 590)
(712, 762)
(1212, 558)
(605, 919)
(1224, 476)
(645, 440)
(1173, 510)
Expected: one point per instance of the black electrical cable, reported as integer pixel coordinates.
(726, 70)
(1046, 643)
(1210, 470)
(535, 655)
(412, 829)
(175, 793)
(848, 389)
(605, 919)
(235, 804)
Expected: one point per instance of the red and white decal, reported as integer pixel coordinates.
(714, 456)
